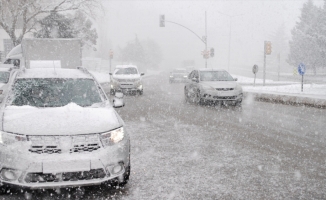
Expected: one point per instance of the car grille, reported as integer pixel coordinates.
(126, 85)
(65, 176)
(127, 80)
(225, 98)
(224, 89)
(56, 144)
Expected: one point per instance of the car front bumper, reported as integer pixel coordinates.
(127, 87)
(222, 96)
(51, 171)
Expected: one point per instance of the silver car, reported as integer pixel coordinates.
(178, 75)
(212, 86)
(60, 130)
(127, 79)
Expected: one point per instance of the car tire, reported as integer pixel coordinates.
(186, 95)
(140, 92)
(198, 100)
(238, 103)
(170, 81)
(112, 92)
(3, 190)
(126, 176)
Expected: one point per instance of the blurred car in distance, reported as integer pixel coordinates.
(178, 75)
(127, 79)
(212, 86)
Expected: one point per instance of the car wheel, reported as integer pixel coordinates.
(112, 92)
(238, 103)
(3, 190)
(140, 92)
(170, 81)
(198, 100)
(126, 176)
(186, 95)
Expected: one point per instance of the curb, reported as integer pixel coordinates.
(287, 99)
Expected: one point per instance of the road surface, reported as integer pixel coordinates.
(187, 151)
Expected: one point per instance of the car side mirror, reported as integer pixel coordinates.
(118, 101)
(142, 74)
(235, 79)
(195, 80)
(110, 74)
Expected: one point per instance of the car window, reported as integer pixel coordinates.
(4, 77)
(126, 71)
(53, 92)
(215, 76)
(179, 71)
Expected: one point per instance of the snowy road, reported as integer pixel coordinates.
(185, 151)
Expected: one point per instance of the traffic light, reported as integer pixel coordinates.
(212, 52)
(111, 54)
(268, 48)
(162, 21)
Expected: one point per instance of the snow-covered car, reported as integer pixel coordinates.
(126, 78)
(178, 75)
(59, 130)
(211, 86)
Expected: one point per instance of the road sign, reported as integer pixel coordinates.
(111, 54)
(255, 69)
(301, 69)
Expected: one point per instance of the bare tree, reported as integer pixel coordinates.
(22, 14)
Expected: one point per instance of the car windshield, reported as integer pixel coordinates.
(4, 77)
(126, 71)
(179, 71)
(54, 92)
(215, 76)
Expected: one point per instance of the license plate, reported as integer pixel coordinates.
(66, 166)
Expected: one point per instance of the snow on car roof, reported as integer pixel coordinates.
(53, 73)
(183, 69)
(125, 66)
(211, 69)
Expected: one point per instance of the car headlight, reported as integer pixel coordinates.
(112, 137)
(8, 138)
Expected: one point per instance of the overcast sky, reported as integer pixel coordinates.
(253, 21)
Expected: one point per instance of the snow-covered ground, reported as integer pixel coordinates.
(311, 90)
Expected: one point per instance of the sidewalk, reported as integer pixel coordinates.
(285, 92)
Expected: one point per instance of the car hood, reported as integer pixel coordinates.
(67, 120)
(220, 84)
(185, 74)
(131, 76)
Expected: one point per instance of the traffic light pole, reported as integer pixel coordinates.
(264, 69)
(205, 38)
(162, 18)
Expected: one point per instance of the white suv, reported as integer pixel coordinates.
(126, 78)
(59, 129)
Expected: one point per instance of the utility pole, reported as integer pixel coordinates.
(267, 51)
(206, 38)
